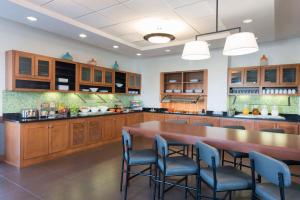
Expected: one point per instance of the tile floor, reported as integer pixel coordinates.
(88, 175)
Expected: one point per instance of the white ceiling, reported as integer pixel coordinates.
(122, 22)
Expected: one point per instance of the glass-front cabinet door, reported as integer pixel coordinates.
(131, 80)
(138, 81)
(289, 75)
(85, 73)
(270, 76)
(252, 76)
(43, 67)
(109, 76)
(236, 76)
(24, 64)
(98, 75)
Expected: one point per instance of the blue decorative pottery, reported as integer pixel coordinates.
(67, 56)
(116, 66)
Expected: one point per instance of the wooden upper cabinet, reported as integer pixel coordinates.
(252, 76)
(78, 132)
(24, 64)
(131, 80)
(35, 140)
(270, 76)
(43, 67)
(59, 136)
(236, 76)
(109, 76)
(98, 77)
(85, 73)
(289, 75)
(134, 80)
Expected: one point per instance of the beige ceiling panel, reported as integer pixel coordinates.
(96, 20)
(39, 2)
(181, 3)
(67, 8)
(132, 37)
(96, 4)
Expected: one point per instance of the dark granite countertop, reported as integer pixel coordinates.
(15, 117)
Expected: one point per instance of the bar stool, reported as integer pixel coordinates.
(288, 162)
(166, 166)
(172, 143)
(235, 154)
(278, 175)
(199, 124)
(219, 178)
(135, 158)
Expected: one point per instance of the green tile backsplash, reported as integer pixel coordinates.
(16, 101)
(284, 106)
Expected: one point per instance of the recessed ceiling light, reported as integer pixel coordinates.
(115, 46)
(32, 19)
(247, 21)
(82, 35)
(167, 50)
(138, 54)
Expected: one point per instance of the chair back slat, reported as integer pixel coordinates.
(207, 152)
(270, 168)
(127, 143)
(161, 145)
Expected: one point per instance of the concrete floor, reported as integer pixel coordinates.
(93, 174)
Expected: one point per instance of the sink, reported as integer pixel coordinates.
(260, 117)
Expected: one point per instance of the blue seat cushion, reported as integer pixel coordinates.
(228, 178)
(141, 157)
(237, 154)
(269, 191)
(178, 166)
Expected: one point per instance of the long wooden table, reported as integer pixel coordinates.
(277, 145)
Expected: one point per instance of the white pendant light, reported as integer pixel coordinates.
(240, 44)
(196, 50)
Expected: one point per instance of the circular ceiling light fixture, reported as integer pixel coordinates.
(31, 18)
(196, 50)
(159, 38)
(240, 44)
(247, 21)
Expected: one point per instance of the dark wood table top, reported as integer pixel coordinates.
(278, 145)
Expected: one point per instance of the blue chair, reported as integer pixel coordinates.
(219, 178)
(182, 166)
(184, 147)
(278, 175)
(132, 157)
(236, 155)
(288, 162)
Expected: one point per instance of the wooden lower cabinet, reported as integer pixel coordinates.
(203, 119)
(153, 117)
(35, 140)
(288, 127)
(94, 130)
(108, 131)
(248, 124)
(262, 124)
(134, 118)
(78, 132)
(120, 122)
(59, 136)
